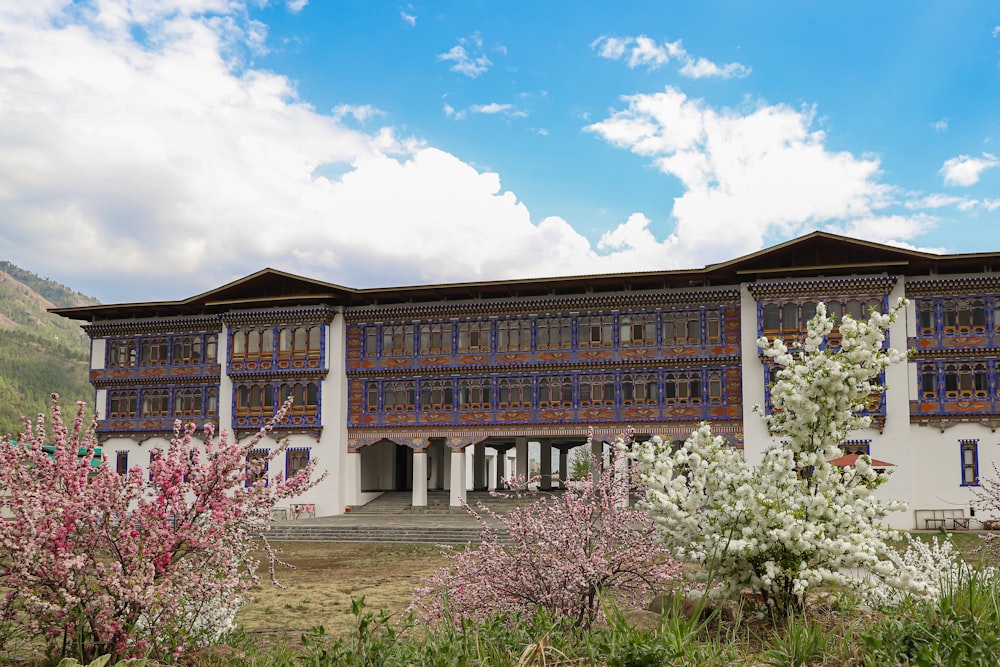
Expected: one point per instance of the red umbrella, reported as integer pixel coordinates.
(848, 460)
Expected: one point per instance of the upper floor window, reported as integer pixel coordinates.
(965, 380)
(597, 390)
(435, 338)
(475, 393)
(597, 331)
(304, 395)
(123, 403)
(513, 335)
(255, 400)
(121, 462)
(187, 349)
(682, 387)
(371, 396)
(555, 333)
(474, 336)
(211, 348)
(122, 353)
(555, 391)
(154, 351)
(299, 342)
(397, 340)
(970, 462)
(639, 389)
(963, 316)
(437, 395)
(188, 402)
(682, 327)
(637, 330)
(514, 392)
(715, 386)
(155, 403)
(400, 396)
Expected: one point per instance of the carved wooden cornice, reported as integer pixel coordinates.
(180, 325)
(824, 287)
(555, 368)
(278, 374)
(987, 284)
(308, 315)
(554, 306)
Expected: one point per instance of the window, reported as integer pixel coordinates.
(155, 403)
(371, 340)
(556, 391)
(474, 336)
(121, 462)
(513, 335)
(299, 343)
(153, 351)
(963, 316)
(514, 392)
(597, 331)
(682, 387)
(304, 395)
(296, 458)
(682, 327)
(187, 350)
(637, 330)
(212, 402)
(965, 380)
(555, 333)
(397, 340)
(856, 447)
(123, 403)
(399, 396)
(256, 469)
(596, 390)
(435, 338)
(154, 456)
(211, 348)
(255, 400)
(121, 353)
(925, 317)
(715, 387)
(970, 462)
(437, 395)
(474, 393)
(928, 381)
(639, 389)
(187, 402)
(713, 326)
(371, 393)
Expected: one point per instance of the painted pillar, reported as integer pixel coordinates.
(596, 460)
(479, 467)
(563, 466)
(501, 466)
(458, 493)
(545, 482)
(440, 452)
(419, 501)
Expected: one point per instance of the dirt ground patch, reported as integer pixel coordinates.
(327, 576)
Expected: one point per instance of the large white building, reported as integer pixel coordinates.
(417, 388)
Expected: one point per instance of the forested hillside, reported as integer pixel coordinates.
(40, 353)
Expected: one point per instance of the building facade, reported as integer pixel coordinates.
(428, 387)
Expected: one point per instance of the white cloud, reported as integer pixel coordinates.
(747, 174)
(965, 170)
(409, 19)
(996, 30)
(643, 51)
(492, 107)
(940, 125)
(359, 112)
(296, 6)
(467, 57)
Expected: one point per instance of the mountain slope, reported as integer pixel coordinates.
(40, 353)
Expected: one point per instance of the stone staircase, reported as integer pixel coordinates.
(304, 532)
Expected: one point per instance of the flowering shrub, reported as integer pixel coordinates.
(99, 563)
(792, 521)
(564, 554)
(988, 499)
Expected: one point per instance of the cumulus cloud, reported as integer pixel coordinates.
(965, 170)
(467, 57)
(408, 19)
(296, 6)
(643, 51)
(747, 173)
(359, 112)
(940, 125)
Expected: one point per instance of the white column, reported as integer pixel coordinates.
(457, 478)
(545, 458)
(352, 480)
(501, 464)
(521, 458)
(440, 452)
(479, 467)
(419, 501)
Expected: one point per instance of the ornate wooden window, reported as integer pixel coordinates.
(474, 336)
(256, 467)
(514, 392)
(682, 327)
(597, 390)
(928, 381)
(965, 380)
(475, 393)
(639, 389)
(155, 403)
(296, 458)
(963, 316)
(399, 396)
(212, 402)
(123, 403)
(299, 343)
(555, 333)
(255, 400)
(597, 331)
(187, 402)
(122, 353)
(437, 395)
(121, 462)
(397, 340)
(555, 391)
(435, 338)
(371, 340)
(715, 387)
(681, 387)
(513, 335)
(371, 396)
(925, 317)
(212, 348)
(713, 326)
(970, 462)
(637, 330)
(154, 351)
(304, 395)
(187, 349)
(856, 447)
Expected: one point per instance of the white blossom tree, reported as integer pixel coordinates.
(793, 520)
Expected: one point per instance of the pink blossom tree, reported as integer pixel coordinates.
(566, 553)
(147, 563)
(988, 500)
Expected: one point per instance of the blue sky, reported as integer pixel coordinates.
(154, 149)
